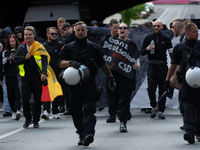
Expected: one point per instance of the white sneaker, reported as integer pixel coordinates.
(13, 116)
(18, 115)
(45, 115)
(56, 116)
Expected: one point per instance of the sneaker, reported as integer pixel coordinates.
(56, 116)
(26, 124)
(161, 116)
(36, 125)
(45, 115)
(13, 116)
(123, 127)
(6, 114)
(111, 120)
(89, 138)
(189, 137)
(18, 115)
(153, 112)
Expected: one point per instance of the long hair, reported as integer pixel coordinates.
(8, 47)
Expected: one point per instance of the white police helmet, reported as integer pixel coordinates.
(73, 76)
(193, 77)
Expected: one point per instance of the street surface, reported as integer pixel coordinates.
(144, 133)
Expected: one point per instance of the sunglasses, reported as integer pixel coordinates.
(123, 28)
(53, 34)
(158, 26)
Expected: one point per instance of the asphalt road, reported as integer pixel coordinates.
(144, 133)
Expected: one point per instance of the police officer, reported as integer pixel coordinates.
(82, 105)
(155, 45)
(187, 54)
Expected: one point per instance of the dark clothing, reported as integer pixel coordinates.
(157, 67)
(112, 110)
(19, 29)
(10, 72)
(70, 38)
(31, 86)
(183, 36)
(31, 83)
(30, 66)
(54, 48)
(82, 105)
(190, 97)
(59, 37)
(162, 43)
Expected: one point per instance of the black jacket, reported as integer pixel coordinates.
(162, 43)
(9, 68)
(30, 66)
(82, 51)
(20, 28)
(54, 48)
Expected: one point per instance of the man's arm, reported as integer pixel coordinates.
(171, 71)
(106, 70)
(64, 64)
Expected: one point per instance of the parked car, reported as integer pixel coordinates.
(194, 1)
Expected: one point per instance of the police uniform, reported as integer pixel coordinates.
(157, 67)
(190, 97)
(82, 104)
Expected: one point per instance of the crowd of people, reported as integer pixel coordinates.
(23, 73)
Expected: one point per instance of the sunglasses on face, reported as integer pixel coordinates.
(53, 34)
(158, 26)
(123, 28)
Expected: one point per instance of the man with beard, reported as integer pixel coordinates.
(178, 28)
(187, 54)
(53, 47)
(155, 46)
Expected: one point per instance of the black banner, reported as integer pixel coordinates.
(120, 56)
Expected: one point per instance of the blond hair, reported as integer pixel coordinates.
(61, 20)
(30, 28)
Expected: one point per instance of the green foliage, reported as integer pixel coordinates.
(132, 13)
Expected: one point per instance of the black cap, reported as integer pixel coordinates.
(94, 22)
(67, 24)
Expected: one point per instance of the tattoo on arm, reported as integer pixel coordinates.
(106, 70)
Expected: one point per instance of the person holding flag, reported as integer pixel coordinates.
(32, 59)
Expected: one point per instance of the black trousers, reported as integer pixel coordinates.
(47, 105)
(83, 108)
(13, 93)
(122, 97)
(156, 79)
(32, 86)
(190, 108)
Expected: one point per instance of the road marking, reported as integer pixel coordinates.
(20, 129)
(184, 13)
(167, 9)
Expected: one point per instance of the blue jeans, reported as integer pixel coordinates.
(5, 96)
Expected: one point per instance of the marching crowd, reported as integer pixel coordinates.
(25, 59)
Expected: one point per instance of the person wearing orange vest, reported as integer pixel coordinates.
(33, 69)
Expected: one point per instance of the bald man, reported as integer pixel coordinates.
(155, 46)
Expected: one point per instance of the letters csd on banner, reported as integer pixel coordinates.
(120, 56)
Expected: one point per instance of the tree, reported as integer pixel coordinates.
(132, 13)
